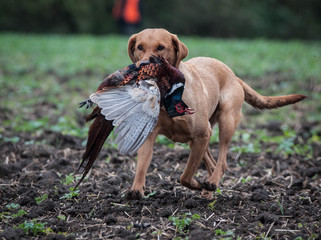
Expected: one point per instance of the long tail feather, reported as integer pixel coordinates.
(99, 131)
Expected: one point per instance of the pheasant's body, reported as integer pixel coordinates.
(130, 99)
(158, 68)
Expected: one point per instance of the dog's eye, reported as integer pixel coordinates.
(160, 48)
(140, 47)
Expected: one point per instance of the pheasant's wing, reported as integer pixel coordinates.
(134, 109)
(120, 77)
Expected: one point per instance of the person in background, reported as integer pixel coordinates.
(128, 15)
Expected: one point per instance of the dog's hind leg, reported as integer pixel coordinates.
(228, 121)
(210, 164)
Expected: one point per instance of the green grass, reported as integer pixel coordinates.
(255, 58)
(64, 55)
(67, 55)
(44, 77)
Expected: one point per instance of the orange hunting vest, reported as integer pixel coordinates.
(131, 11)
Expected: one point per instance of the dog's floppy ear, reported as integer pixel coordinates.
(131, 47)
(180, 48)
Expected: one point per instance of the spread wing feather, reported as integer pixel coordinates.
(132, 133)
(134, 111)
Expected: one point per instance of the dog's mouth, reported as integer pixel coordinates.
(184, 110)
(189, 111)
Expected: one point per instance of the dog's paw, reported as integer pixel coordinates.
(207, 194)
(207, 186)
(133, 195)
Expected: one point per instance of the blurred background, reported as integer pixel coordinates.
(278, 19)
(54, 54)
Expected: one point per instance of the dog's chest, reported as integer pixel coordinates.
(176, 129)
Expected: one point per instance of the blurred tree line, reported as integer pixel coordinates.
(282, 19)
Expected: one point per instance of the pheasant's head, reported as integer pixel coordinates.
(182, 109)
(178, 109)
(174, 104)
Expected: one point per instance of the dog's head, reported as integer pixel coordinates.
(156, 42)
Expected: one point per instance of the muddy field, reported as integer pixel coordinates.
(270, 191)
(262, 196)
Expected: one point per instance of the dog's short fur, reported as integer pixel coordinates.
(216, 94)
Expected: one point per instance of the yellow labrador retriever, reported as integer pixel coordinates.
(216, 94)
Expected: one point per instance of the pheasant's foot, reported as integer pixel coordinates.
(86, 102)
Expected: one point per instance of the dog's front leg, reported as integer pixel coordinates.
(145, 154)
(198, 147)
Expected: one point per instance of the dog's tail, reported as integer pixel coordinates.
(267, 102)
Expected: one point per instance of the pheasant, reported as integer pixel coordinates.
(130, 99)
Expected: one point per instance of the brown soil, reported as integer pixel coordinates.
(282, 200)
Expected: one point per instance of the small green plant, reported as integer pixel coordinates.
(62, 217)
(5, 215)
(107, 160)
(181, 223)
(298, 238)
(34, 227)
(6, 139)
(242, 163)
(158, 232)
(72, 193)
(56, 190)
(12, 206)
(228, 235)
(180, 238)
(219, 191)
(8, 215)
(212, 205)
(150, 194)
(21, 212)
(280, 206)
(130, 226)
(41, 198)
(263, 237)
(245, 180)
(68, 179)
(286, 146)
(313, 236)
(92, 211)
